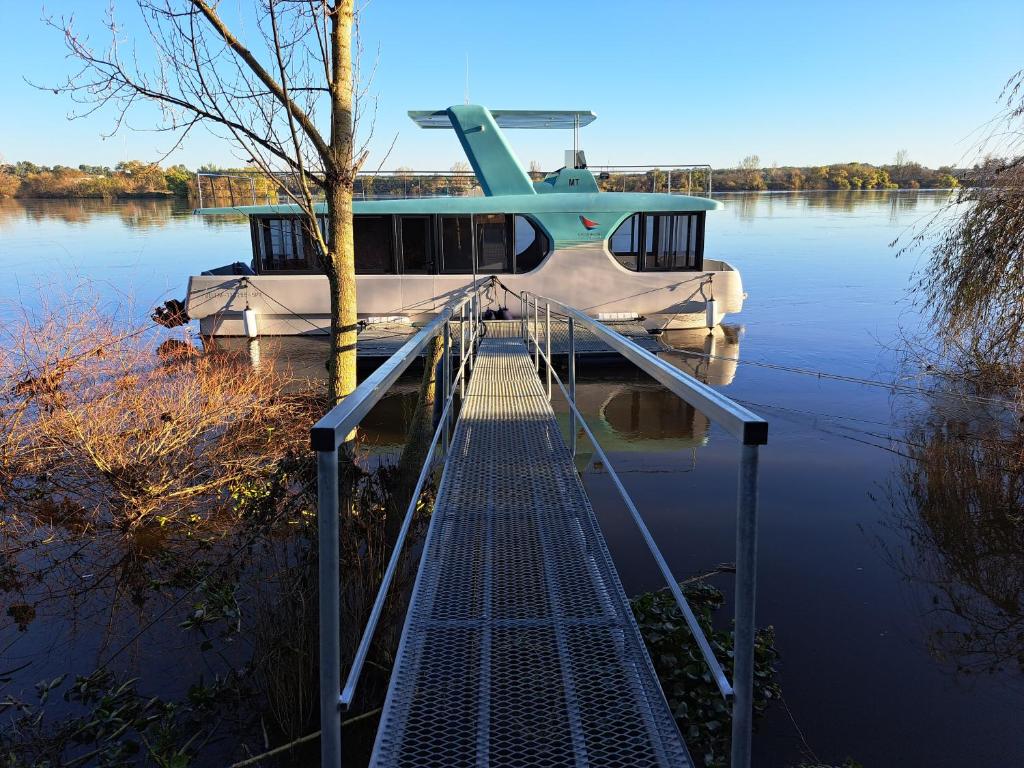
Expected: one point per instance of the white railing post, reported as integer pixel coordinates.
(746, 596)
(536, 334)
(462, 352)
(330, 608)
(547, 343)
(473, 329)
(572, 385)
(446, 377)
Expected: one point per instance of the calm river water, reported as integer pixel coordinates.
(896, 648)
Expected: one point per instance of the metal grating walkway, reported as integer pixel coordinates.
(519, 648)
(384, 339)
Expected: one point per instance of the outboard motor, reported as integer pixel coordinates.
(502, 314)
(171, 314)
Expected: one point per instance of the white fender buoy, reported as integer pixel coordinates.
(249, 322)
(709, 313)
(255, 358)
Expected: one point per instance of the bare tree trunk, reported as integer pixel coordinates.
(341, 362)
(340, 175)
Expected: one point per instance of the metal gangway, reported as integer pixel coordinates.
(519, 646)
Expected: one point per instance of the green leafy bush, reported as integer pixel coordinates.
(704, 717)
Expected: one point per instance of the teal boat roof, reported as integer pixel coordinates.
(596, 202)
(511, 118)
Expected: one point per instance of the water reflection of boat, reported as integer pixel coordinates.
(709, 356)
(631, 413)
(627, 411)
(637, 416)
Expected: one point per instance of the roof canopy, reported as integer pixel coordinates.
(511, 118)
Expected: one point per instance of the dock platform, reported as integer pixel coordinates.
(520, 647)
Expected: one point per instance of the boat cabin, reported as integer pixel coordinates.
(489, 243)
(610, 253)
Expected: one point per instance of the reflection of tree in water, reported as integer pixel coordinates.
(902, 202)
(961, 507)
(132, 213)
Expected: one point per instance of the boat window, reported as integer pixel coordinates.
(372, 241)
(456, 245)
(414, 235)
(284, 245)
(625, 243)
(671, 242)
(492, 249)
(660, 242)
(531, 245)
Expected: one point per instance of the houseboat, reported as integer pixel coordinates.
(614, 255)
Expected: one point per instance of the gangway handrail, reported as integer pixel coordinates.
(750, 429)
(327, 436)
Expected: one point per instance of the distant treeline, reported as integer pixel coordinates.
(903, 174)
(134, 178)
(128, 179)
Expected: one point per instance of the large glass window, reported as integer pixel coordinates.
(531, 245)
(415, 244)
(660, 241)
(284, 245)
(456, 245)
(493, 253)
(625, 243)
(372, 240)
(414, 234)
(669, 247)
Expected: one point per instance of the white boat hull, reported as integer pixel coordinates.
(586, 276)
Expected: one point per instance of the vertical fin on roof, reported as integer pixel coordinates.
(496, 167)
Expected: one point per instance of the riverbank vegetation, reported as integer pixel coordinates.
(973, 283)
(159, 501)
(961, 494)
(135, 178)
(704, 716)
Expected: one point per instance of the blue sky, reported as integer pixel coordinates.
(672, 82)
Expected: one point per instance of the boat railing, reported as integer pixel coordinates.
(385, 185)
(671, 178)
(750, 430)
(254, 187)
(329, 436)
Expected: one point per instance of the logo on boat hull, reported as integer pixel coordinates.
(589, 223)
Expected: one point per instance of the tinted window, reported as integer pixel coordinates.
(372, 240)
(456, 245)
(671, 243)
(625, 243)
(531, 245)
(660, 241)
(492, 248)
(284, 246)
(414, 233)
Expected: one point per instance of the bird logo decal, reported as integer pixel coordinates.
(589, 223)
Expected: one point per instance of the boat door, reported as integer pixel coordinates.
(414, 235)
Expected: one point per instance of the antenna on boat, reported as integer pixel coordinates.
(467, 78)
(576, 141)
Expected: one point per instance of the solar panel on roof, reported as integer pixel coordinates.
(512, 118)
